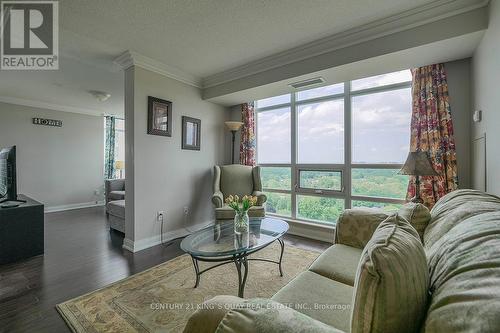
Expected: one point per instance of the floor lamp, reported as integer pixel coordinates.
(233, 126)
(418, 164)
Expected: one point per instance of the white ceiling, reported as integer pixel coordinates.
(200, 38)
(206, 37)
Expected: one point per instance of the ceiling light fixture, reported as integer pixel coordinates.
(100, 95)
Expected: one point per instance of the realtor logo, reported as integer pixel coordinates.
(30, 35)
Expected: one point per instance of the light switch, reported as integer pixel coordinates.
(478, 116)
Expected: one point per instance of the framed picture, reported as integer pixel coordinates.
(191, 133)
(159, 116)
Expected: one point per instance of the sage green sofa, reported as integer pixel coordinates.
(236, 179)
(460, 240)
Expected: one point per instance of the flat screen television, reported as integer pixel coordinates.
(8, 184)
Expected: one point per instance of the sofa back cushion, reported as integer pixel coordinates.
(392, 281)
(236, 180)
(462, 245)
(417, 214)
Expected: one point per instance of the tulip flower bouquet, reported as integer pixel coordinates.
(241, 207)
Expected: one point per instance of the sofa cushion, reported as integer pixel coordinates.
(318, 297)
(464, 263)
(116, 195)
(355, 226)
(116, 208)
(227, 213)
(339, 262)
(417, 214)
(392, 280)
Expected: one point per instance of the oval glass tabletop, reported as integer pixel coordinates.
(220, 240)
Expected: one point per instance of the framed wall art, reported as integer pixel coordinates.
(159, 116)
(191, 133)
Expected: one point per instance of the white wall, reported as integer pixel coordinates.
(57, 166)
(165, 177)
(486, 97)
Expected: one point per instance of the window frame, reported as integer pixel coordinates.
(345, 169)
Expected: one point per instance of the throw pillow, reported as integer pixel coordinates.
(417, 214)
(392, 279)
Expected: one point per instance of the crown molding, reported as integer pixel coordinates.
(49, 106)
(131, 58)
(409, 19)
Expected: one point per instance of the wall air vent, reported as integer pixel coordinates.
(307, 83)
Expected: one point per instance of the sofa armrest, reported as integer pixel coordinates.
(111, 185)
(261, 197)
(233, 314)
(355, 226)
(218, 199)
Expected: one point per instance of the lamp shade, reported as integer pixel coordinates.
(418, 163)
(233, 125)
(119, 165)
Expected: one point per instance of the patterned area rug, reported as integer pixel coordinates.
(162, 298)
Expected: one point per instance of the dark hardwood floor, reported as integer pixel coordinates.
(81, 255)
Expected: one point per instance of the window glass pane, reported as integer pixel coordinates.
(388, 207)
(383, 183)
(276, 100)
(321, 180)
(381, 80)
(276, 178)
(319, 208)
(320, 92)
(321, 132)
(120, 124)
(381, 127)
(274, 136)
(279, 203)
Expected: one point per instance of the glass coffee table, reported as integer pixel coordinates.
(220, 244)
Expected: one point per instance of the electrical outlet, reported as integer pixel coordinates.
(186, 210)
(96, 192)
(160, 215)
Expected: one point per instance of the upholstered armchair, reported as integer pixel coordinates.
(238, 180)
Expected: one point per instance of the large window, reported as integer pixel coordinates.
(340, 146)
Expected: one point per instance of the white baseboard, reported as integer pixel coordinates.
(142, 244)
(52, 209)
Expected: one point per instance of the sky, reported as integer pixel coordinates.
(380, 126)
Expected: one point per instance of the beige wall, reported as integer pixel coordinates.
(165, 177)
(486, 97)
(58, 166)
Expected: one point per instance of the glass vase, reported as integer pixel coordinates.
(241, 221)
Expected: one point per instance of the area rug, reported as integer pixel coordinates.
(162, 298)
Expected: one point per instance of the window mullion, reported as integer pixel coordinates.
(346, 179)
(293, 119)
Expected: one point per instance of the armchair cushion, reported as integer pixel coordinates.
(227, 213)
(116, 195)
(356, 226)
(236, 179)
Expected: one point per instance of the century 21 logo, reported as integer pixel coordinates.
(30, 35)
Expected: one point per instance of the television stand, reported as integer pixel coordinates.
(21, 230)
(10, 203)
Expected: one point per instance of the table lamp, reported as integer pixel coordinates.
(120, 165)
(418, 164)
(233, 126)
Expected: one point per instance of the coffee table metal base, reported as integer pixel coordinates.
(241, 263)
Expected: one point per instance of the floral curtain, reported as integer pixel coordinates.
(247, 142)
(432, 131)
(109, 157)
